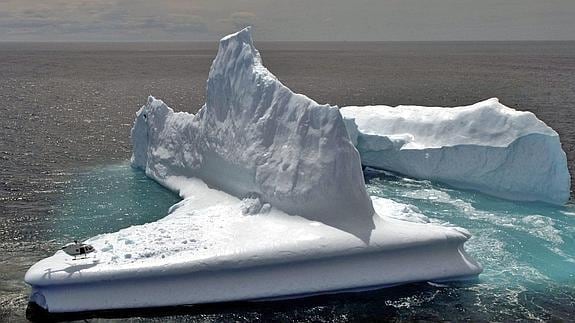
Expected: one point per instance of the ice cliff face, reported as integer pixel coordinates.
(255, 137)
(486, 147)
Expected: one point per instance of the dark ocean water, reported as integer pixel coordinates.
(66, 112)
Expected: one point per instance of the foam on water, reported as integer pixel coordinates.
(527, 249)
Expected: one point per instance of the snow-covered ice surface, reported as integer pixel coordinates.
(486, 147)
(274, 205)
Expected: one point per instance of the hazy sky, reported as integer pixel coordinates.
(120, 20)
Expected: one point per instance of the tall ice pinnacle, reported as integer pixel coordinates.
(254, 136)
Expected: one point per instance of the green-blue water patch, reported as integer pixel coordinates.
(106, 199)
(527, 250)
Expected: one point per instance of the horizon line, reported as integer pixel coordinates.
(288, 41)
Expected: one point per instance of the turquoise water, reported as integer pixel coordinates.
(106, 199)
(527, 250)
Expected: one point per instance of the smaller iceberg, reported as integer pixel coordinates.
(486, 147)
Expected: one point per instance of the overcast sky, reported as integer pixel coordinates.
(125, 20)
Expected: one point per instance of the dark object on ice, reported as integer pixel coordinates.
(76, 249)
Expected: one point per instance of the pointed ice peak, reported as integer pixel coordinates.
(237, 51)
(244, 35)
(255, 136)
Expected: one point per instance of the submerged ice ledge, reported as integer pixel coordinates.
(274, 205)
(486, 147)
(208, 249)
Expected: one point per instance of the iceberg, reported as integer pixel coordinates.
(254, 136)
(274, 205)
(486, 147)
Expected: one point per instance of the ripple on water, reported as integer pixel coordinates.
(106, 199)
(93, 201)
(527, 249)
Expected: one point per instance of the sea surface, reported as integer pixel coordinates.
(66, 110)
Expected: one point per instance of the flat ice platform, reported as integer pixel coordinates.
(210, 249)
